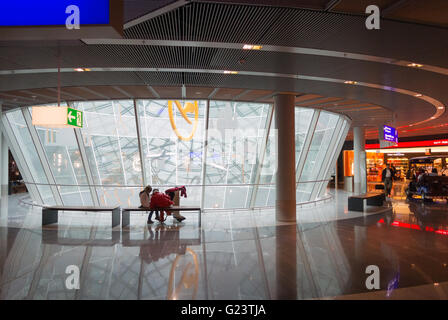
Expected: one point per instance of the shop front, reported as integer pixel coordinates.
(399, 158)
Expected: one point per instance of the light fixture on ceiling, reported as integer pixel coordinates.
(433, 117)
(230, 72)
(350, 82)
(81, 69)
(441, 108)
(415, 65)
(418, 95)
(252, 47)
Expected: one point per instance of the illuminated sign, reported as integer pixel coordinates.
(187, 109)
(56, 117)
(60, 19)
(390, 134)
(51, 13)
(413, 144)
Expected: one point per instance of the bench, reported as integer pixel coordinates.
(126, 219)
(356, 203)
(50, 214)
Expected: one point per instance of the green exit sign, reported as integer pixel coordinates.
(74, 117)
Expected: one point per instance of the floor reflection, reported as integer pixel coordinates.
(234, 256)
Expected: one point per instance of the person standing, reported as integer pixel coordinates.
(387, 177)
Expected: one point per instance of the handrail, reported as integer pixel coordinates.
(164, 185)
(300, 204)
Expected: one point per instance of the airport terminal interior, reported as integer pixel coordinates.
(297, 149)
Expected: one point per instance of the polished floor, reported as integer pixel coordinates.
(235, 255)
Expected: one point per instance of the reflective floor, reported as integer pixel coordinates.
(235, 255)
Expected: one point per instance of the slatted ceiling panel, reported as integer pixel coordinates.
(312, 4)
(199, 92)
(160, 78)
(227, 93)
(300, 99)
(209, 22)
(428, 11)
(359, 6)
(169, 92)
(212, 79)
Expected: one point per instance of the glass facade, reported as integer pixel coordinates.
(222, 151)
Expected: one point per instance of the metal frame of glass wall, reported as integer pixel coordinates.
(101, 163)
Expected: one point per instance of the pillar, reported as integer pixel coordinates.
(360, 171)
(4, 178)
(286, 262)
(4, 159)
(284, 106)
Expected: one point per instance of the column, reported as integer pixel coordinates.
(4, 160)
(360, 171)
(284, 105)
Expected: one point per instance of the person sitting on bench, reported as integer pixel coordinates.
(145, 201)
(161, 200)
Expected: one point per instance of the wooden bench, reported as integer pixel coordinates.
(126, 219)
(50, 214)
(356, 203)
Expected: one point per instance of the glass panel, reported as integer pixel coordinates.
(236, 131)
(22, 134)
(170, 160)
(110, 138)
(316, 154)
(65, 163)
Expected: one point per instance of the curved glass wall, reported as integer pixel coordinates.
(223, 151)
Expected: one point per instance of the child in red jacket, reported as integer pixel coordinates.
(161, 200)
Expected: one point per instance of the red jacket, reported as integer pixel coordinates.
(183, 191)
(160, 200)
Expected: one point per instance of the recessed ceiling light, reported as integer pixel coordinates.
(252, 47)
(418, 95)
(198, 92)
(230, 72)
(350, 82)
(433, 117)
(415, 65)
(441, 107)
(81, 69)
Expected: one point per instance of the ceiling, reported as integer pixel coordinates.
(310, 48)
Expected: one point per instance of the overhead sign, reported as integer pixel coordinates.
(57, 117)
(61, 19)
(74, 117)
(390, 134)
(189, 108)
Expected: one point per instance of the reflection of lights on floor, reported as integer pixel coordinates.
(415, 227)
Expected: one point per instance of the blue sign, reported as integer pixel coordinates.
(52, 12)
(390, 134)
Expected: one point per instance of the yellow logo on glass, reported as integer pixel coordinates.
(189, 108)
